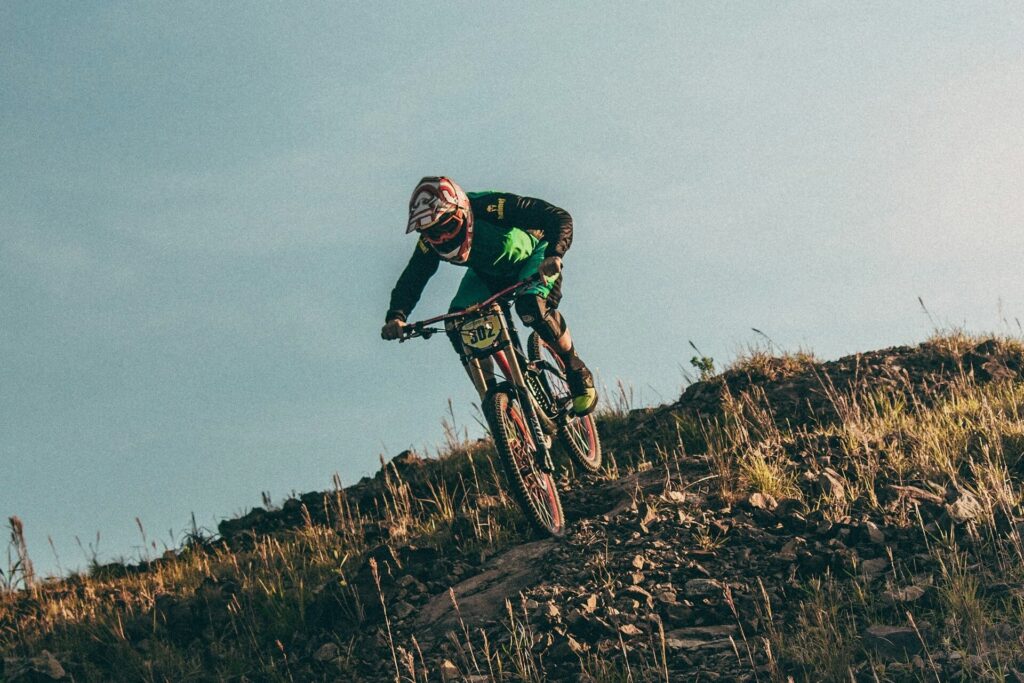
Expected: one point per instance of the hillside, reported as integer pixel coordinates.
(858, 519)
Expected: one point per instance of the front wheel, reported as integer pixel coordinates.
(517, 447)
(579, 434)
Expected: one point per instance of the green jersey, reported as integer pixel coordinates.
(507, 231)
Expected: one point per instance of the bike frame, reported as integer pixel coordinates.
(506, 350)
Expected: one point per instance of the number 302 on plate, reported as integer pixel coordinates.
(482, 332)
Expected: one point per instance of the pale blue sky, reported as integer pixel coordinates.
(202, 210)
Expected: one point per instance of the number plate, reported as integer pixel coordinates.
(481, 333)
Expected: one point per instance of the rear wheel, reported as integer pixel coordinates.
(517, 447)
(579, 434)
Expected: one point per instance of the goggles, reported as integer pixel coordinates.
(445, 229)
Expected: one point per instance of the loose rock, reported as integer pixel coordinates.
(894, 642)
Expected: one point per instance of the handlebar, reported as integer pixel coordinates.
(423, 328)
(418, 330)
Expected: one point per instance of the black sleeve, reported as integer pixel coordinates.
(411, 282)
(530, 213)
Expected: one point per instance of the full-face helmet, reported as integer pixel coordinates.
(439, 210)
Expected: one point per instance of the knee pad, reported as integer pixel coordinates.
(530, 308)
(534, 311)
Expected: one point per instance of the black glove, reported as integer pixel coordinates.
(392, 329)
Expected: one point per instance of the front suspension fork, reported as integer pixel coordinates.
(543, 457)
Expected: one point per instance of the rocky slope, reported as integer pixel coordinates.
(857, 519)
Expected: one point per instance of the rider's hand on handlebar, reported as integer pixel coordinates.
(550, 267)
(392, 329)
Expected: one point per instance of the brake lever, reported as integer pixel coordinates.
(407, 335)
(417, 330)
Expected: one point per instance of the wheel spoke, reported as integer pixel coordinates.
(579, 435)
(518, 446)
(576, 433)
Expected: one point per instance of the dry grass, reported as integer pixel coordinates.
(761, 361)
(966, 444)
(98, 620)
(250, 629)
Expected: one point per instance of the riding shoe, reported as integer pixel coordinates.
(581, 384)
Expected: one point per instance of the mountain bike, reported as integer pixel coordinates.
(527, 405)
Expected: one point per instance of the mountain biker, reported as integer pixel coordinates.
(500, 238)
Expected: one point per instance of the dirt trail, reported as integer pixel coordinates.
(690, 559)
(665, 576)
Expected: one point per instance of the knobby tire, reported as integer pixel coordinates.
(579, 437)
(534, 489)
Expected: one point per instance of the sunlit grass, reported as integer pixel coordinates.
(249, 602)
